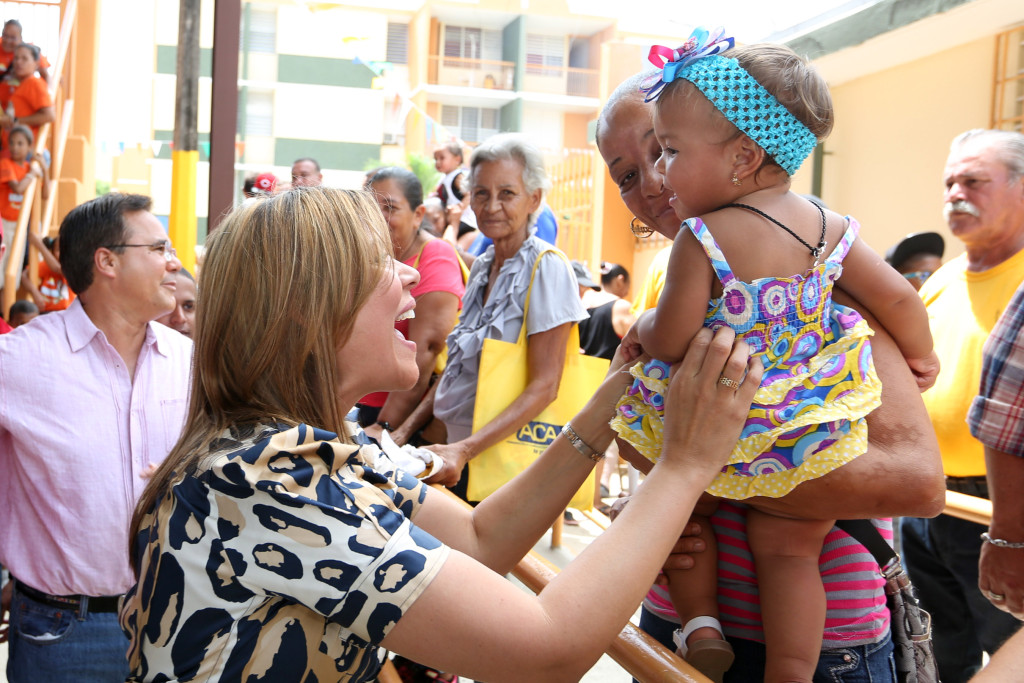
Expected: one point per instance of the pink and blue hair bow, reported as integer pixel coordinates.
(701, 43)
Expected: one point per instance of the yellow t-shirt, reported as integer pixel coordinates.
(963, 307)
(654, 283)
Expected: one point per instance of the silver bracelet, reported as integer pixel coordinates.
(579, 444)
(998, 542)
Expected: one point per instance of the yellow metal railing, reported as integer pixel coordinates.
(36, 213)
(571, 198)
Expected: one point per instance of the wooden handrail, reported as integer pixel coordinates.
(644, 658)
(967, 507)
(67, 26)
(12, 276)
(59, 143)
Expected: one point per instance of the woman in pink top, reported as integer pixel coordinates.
(438, 294)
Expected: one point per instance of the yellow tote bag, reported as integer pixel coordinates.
(503, 377)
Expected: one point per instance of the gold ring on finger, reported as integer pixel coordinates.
(731, 383)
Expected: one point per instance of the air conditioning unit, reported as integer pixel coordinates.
(392, 139)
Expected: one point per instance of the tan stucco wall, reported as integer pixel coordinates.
(893, 128)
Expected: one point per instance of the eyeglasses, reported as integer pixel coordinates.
(921, 275)
(163, 247)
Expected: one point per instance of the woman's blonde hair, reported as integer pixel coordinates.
(283, 280)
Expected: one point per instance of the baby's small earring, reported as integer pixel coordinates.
(736, 179)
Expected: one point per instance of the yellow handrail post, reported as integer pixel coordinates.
(185, 157)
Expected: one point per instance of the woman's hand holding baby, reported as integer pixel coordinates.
(708, 399)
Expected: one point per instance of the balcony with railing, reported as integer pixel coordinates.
(561, 80)
(497, 75)
(471, 73)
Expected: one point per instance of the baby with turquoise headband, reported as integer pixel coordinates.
(734, 125)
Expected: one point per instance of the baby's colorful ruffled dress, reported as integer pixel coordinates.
(808, 416)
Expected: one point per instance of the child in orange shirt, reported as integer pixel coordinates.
(15, 175)
(53, 293)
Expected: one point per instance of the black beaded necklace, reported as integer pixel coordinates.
(816, 252)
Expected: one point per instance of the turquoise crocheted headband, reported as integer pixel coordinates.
(735, 93)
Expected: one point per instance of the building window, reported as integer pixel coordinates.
(262, 33)
(471, 124)
(471, 43)
(398, 43)
(545, 55)
(258, 113)
(1008, 96)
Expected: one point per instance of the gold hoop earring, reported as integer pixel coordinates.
(639, 229)
(736, 179)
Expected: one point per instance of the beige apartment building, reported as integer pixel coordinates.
(356, 84)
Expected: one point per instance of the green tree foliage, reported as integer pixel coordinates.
(422, 166)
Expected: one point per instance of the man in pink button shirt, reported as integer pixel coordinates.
(90, 399)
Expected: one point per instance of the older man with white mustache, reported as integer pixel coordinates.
(984, 208)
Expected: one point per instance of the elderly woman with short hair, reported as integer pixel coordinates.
(507, 181)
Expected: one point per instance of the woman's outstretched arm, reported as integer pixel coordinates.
(472, 621)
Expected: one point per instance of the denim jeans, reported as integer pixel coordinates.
(872, 663)
(941, 557)
(53, 645)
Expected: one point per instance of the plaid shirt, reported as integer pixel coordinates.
(996, 417)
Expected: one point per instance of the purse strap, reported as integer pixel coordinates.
(574, 335)
(865, 533)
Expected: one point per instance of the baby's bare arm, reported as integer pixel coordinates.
(889, 297)
(665, 334)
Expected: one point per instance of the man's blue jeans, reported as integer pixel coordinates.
(53, 645)
(941, 557)
(872, 663)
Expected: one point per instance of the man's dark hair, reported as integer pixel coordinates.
(316, 164)
(13, 22)
(90, 226)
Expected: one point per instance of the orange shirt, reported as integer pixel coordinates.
(54, 288)
(10, 201)
(27, 97)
